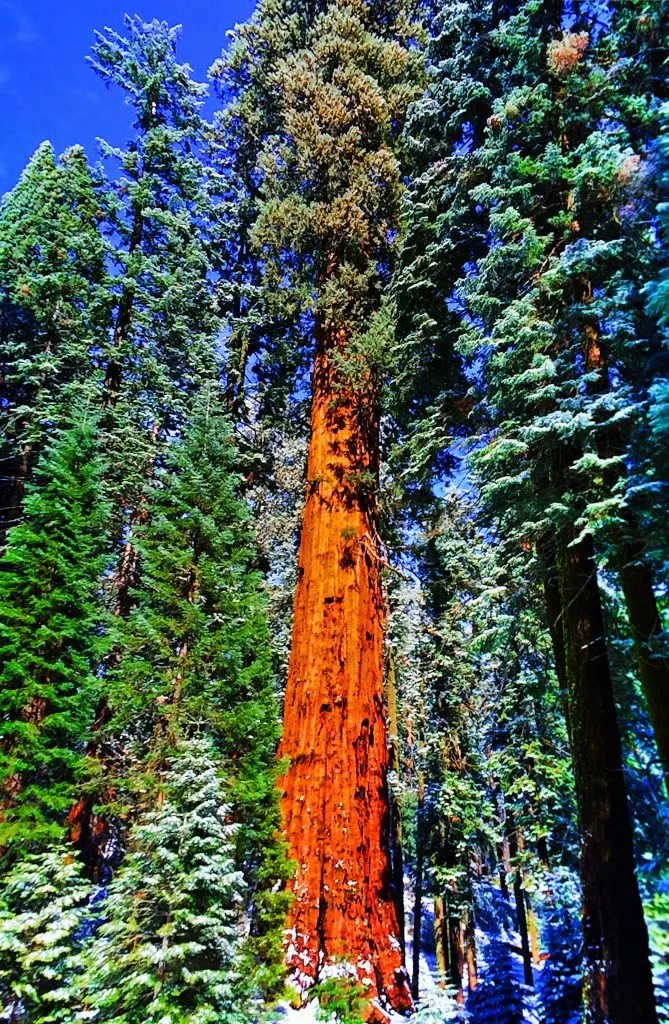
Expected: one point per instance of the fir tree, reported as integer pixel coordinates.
(194, 652)
(43, 912)
(169, 945)
(157, 216)
(50, 634)
(52, 307)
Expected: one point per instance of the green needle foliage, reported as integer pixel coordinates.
(52, 307)
(43, 910)
(194, 653)
(169, 945)
(50, 635)
(468, 200)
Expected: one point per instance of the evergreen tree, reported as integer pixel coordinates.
(169, 945)
(194, 653)
(52, 308)
(43, 912)
(50, 634)
(546, 176)
(330, 184)
(157, 222)
(157, 213)
(159, 341)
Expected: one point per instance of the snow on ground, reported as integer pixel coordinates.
(433, 1004)
(287, 1014)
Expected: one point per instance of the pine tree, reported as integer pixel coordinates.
(169, 945)
(50, 634)
(157, 218)
(159, 340)
(52, 308)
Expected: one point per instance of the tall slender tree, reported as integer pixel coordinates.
(52, 308)
(159, 340)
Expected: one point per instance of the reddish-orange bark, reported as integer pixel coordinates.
(335, 799)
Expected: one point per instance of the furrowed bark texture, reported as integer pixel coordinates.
(618, 987)
(335, 798)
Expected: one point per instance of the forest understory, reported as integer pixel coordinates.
(334, 435)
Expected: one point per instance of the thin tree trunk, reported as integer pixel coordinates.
(503, 850)
(114, 370)
(418, 897)
(521, 911)
(646, 624)
(470, 951)
(440, 940)
(618, 984)
(335, 801)
(12, 493)
(396, 851)
(635, 576)
(456, 956)
(533, 932)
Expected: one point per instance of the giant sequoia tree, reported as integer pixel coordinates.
(331, 188)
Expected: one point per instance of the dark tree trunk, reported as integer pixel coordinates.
(14, 479)
(396, 850)
(123, 324)
(646, 625)
(456, 955)
(519, 898)
(618, 985)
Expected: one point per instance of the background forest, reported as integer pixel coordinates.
(414, 268)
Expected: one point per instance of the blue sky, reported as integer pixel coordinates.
(47, 90)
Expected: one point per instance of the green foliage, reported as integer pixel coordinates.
(309, 156)
(50, 634)
(331, 178)
(340, 1000)
(194, 652)
(52, 307)
(42, 913)
(657, 916)
(169, 945)
(492, 252)
(159, 343)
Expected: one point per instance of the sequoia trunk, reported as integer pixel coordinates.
(619, 987)
(335, 797)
